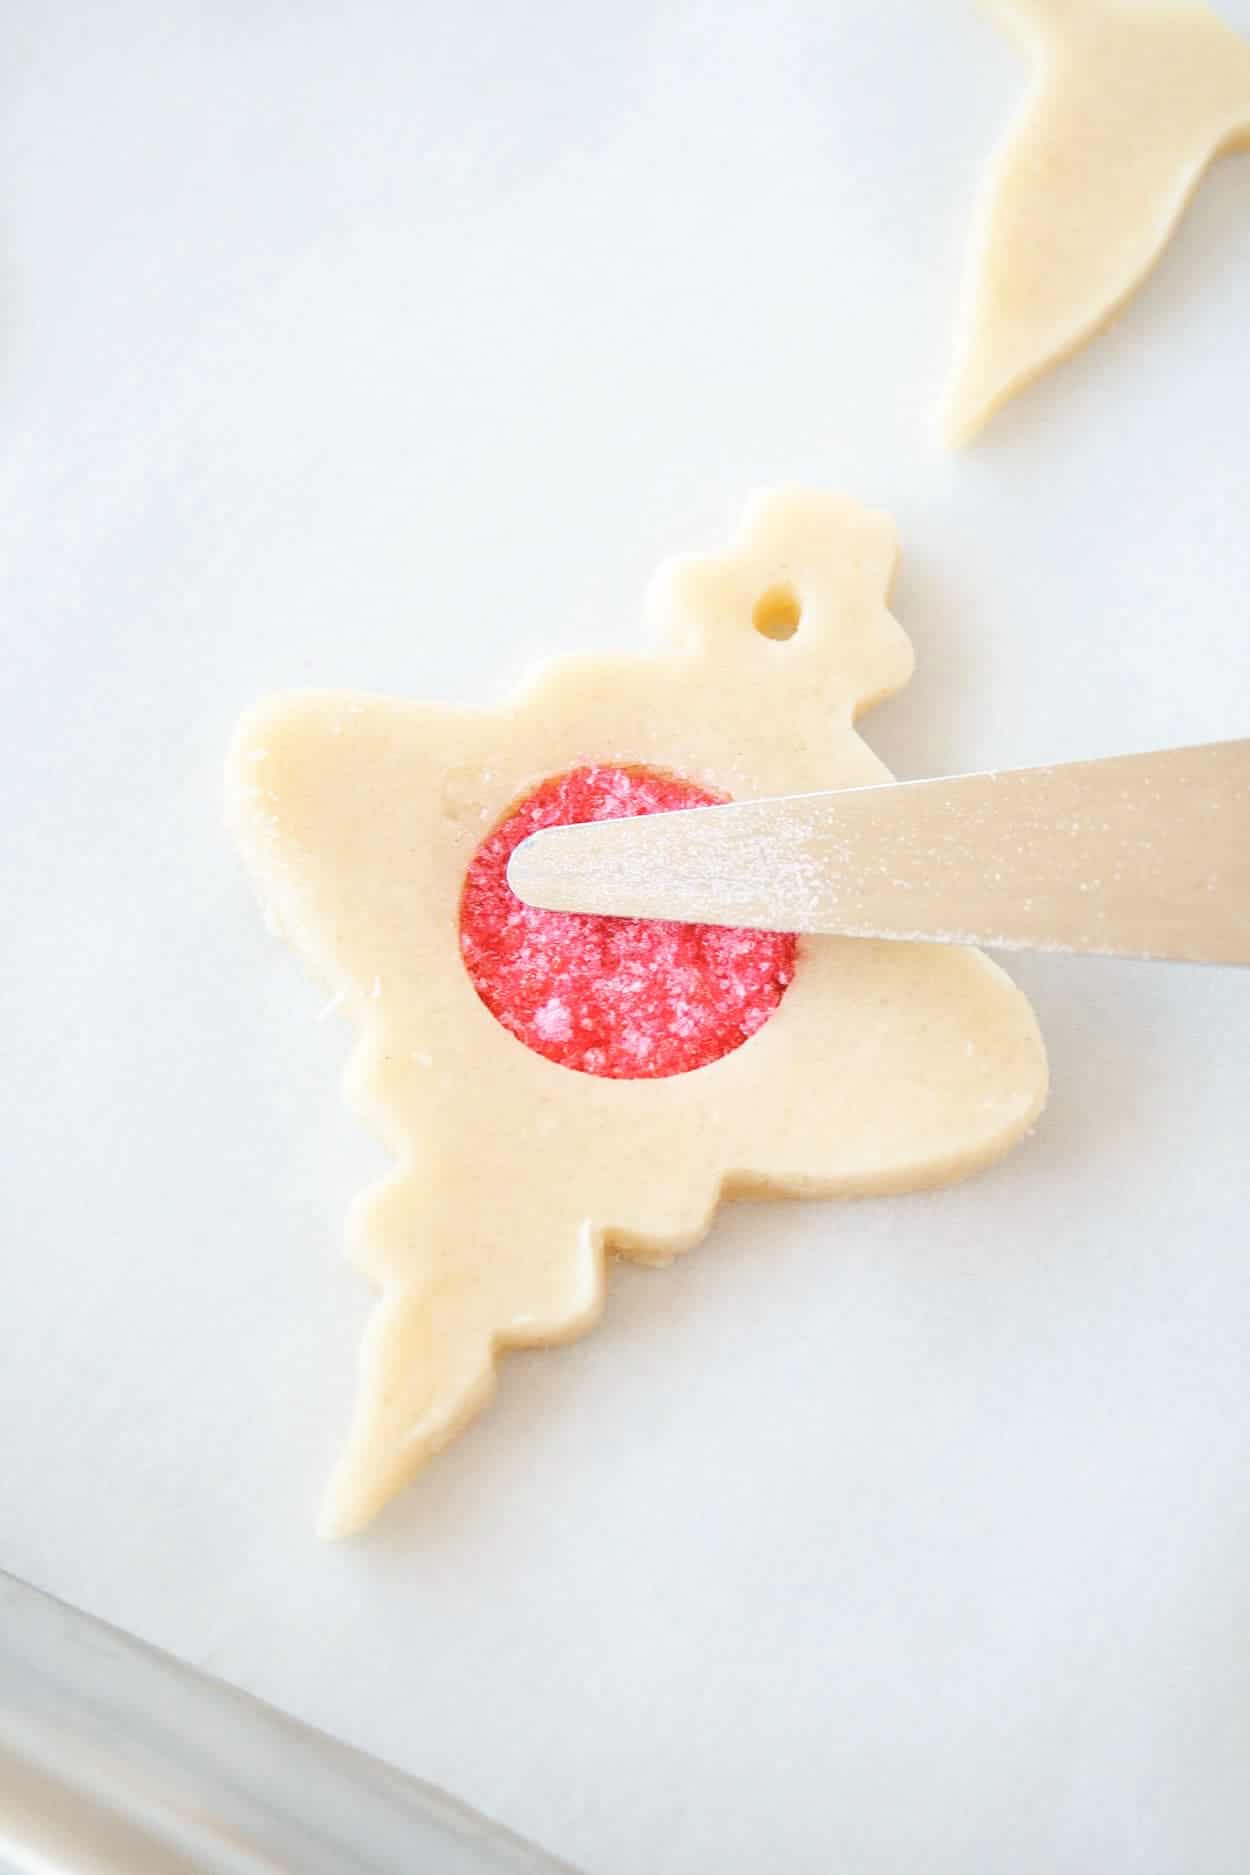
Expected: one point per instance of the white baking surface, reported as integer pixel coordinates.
(392, 346)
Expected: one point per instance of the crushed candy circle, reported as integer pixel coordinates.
(628, 998)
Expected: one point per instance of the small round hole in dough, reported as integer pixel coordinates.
(777, 613)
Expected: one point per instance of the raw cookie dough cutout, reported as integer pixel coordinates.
(1131, 101)
(882, 1067)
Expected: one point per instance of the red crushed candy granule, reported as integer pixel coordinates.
(630, 998)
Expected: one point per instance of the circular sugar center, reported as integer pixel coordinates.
(630, 998)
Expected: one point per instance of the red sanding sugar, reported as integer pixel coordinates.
(631, 998)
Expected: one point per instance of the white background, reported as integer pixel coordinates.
(392, 346)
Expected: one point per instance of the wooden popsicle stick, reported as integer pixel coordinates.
(1133, 855)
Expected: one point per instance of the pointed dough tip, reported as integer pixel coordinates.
(966, 414)
(345, 1507)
